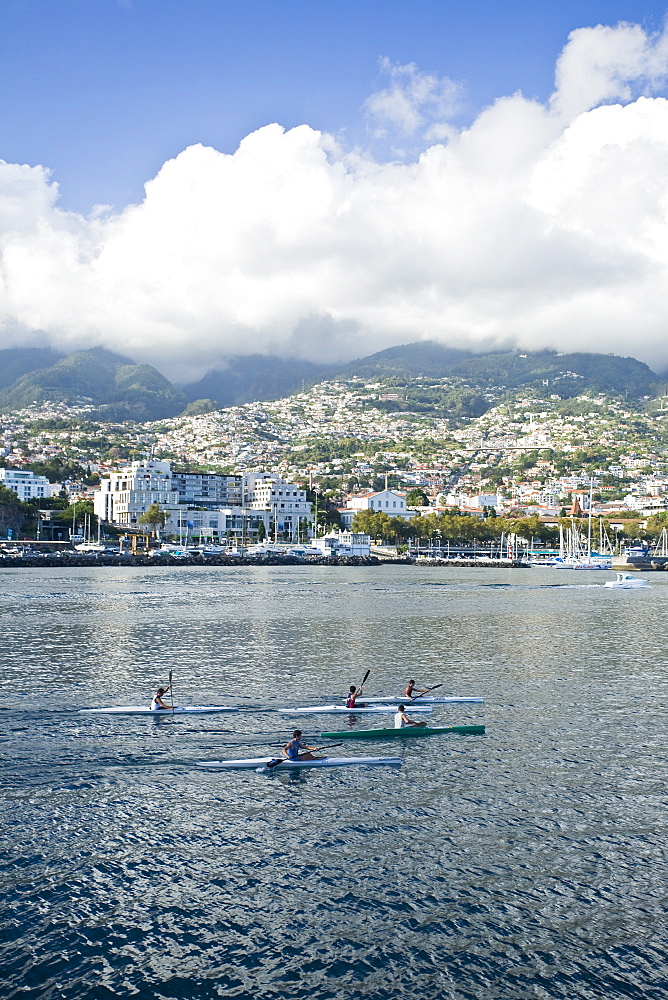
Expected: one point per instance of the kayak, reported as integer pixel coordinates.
(384, 734)
(140, 710)
(253, 763)
(334, 709)
(428, 699)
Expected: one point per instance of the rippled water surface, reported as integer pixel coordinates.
(524, 863)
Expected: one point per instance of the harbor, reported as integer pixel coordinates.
(35, 555)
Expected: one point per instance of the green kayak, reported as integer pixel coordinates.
(384, 734)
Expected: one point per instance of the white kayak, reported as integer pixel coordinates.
(255, 763)
(140, 710)
(338, 709)
(428, 699)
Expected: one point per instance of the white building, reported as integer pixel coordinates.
(344, 543)
(476, 501)
(388, 501)
(123, 496)
(207, 489)
(190, 501)
(291, 513)
(26, 484)
(231, 524)
(204, 505)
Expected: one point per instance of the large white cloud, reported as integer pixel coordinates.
(537, 226)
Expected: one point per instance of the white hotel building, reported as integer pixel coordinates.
(128, 493)
(205, 505)
(291, 512)
(26, 484)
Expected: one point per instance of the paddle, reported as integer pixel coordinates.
(279, 760)
(364, 680)
(426, 691)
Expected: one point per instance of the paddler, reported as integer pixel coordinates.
(296, 750)
(410, 692)
(401, 720)
(352, 696)
(158, 702)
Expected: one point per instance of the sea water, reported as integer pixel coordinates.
(525, 863)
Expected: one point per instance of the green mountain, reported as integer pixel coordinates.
(256, 378)
(423, 358)
(18, 361)
(118, 388)
(122, 390)
(262, 378)
(566, 374)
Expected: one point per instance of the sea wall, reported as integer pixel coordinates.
(88, 559)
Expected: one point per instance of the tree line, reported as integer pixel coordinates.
(465, 529)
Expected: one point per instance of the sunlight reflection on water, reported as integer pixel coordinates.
(523, 863)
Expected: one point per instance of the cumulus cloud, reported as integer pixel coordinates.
(414, 102)
(539, 225)
(604, 64)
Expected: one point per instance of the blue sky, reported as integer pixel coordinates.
(102, 92)
(484, 174)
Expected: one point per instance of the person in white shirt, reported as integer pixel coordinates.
(401, 719)
(158, 703)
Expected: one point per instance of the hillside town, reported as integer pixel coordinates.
(259, 471)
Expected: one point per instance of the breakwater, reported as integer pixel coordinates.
(66, 559)
(481, 563)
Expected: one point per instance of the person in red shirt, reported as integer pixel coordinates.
(352, 696)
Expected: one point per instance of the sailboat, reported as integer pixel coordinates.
(551, 562)
(661, 547)
(573, 554)
(87, 545)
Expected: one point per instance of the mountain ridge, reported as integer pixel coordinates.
(245, 381)
(115, 385)
(120, 389)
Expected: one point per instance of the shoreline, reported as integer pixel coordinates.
(76, 559)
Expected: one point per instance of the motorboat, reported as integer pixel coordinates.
(625, 581)
(91, 547)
